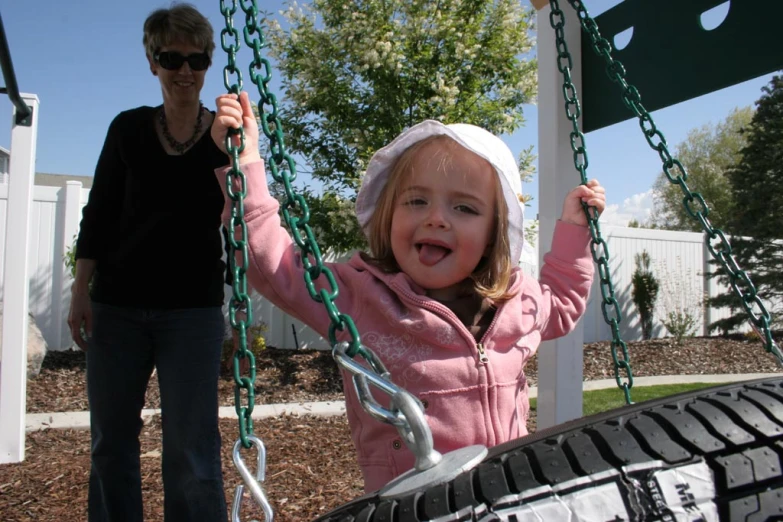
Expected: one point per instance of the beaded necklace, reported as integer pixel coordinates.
(174, 144)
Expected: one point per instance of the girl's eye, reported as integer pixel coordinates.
(466, 209)
(416, 202)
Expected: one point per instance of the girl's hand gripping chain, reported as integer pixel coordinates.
(593, 194)
(233, 113)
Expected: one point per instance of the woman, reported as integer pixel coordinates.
(134, 293)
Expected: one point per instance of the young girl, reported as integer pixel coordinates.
(439, 298)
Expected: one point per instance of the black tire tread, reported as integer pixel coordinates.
(737, 429)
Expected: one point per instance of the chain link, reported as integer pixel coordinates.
(600, 250)
(715, 240)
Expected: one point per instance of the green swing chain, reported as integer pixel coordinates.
(296, 214)
(675, 172)
(598, 246)
(240, 307)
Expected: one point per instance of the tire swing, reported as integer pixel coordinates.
(707, 455)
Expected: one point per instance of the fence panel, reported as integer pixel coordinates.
(677, 262)
(49, 287)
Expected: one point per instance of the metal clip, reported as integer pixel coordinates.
(407, 413)
(253, 483)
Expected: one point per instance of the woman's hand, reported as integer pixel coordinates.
(233, 113)
(80, 314)
(592, 193)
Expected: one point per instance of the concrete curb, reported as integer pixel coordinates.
(80, 420)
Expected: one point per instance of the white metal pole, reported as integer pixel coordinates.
(560, 364)
(13, 370)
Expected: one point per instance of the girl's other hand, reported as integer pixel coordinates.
(234, 112)
(592, 193)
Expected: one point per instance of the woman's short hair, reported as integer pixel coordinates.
(179, 23)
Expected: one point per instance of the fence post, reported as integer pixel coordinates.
(560, 361)
(708, 286)
(72, 218)
(73, 211)
(16, 286)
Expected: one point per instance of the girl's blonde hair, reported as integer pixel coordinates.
(492, 275)
(180, 23)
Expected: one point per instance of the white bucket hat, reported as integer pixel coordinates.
(476, 140)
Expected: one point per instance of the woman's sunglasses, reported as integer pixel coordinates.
(172, 61)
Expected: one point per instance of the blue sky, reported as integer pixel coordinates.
(85, 61)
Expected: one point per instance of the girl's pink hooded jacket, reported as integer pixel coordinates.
(427, 350)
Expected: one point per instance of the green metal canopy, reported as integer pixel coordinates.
(672, 58)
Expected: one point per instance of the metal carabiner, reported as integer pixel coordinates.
(253, 483)
(407, 414)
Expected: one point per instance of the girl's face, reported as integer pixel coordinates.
(444, 218)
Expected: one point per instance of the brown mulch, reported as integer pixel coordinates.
(302, 479)
(695, 356)
(309, 375)
(281, 376)
(311, 467)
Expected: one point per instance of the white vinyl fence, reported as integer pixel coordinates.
(678, 260)
(55, 220)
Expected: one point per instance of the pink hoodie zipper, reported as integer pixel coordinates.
(434, 306)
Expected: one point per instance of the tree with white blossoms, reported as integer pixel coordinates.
(356, 73)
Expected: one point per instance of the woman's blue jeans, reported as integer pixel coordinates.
(184, 345)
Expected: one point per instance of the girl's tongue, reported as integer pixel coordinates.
(432, 254)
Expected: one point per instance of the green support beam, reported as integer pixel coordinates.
(671, 58)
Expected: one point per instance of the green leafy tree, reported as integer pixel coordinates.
(644, 292)
(757, 229)
(707, 153)
(526, 171)
(356, 73)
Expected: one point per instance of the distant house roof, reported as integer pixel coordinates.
(48, 180)
(58, 180)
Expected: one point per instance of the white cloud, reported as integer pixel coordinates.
(638, 207)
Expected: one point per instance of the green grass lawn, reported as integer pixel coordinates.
(603, 400)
